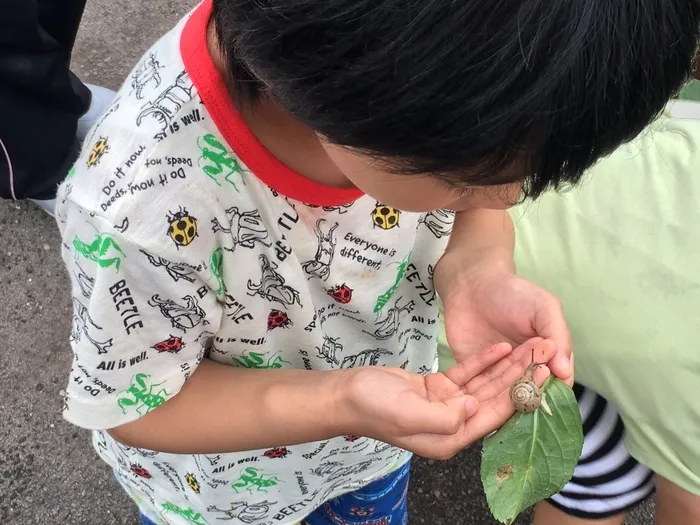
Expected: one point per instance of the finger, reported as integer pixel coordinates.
(494, 413)
(491, 416)
(437, 446)
(501, 376)
(523, 354)
(468, 369)
(438, 417)
(550, 323)
(439, 387)
(570, 380)
(540, 375)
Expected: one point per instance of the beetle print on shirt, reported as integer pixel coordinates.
(221, 265)
(182, 316)
(320, 266)
(245, 228)
(272, 285)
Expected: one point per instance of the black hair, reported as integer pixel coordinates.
(476, 92)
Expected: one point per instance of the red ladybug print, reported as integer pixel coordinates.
(172, 345)
(352, 438)
(342, 294)
(140, 471)
(278, 319)
(277, 452)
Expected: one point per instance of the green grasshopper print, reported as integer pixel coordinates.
(253, 478)
(257, 360)
(386, 296)
(216, 158)
(142, 504)
(142, 395)
(97, 251)
(188, 514)
(216, 263)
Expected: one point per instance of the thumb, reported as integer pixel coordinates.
(550, 323)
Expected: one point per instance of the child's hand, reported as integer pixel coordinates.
(485, 302)
(492, 387)
(436, 416)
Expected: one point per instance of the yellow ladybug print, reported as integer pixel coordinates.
(97, 152)
(192, 482)
(385, 216)
(183, 227)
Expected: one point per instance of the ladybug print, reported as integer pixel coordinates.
(278, 319)
(97, 152)
(140, 471)
(182, 227)
(191, 480)
(277, 452)
(342, 294)
(385, 216)
(352, 439)
(171, 345)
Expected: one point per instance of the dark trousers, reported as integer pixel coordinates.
(40, 99)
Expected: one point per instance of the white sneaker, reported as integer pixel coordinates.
(101, 99)
(48, 205)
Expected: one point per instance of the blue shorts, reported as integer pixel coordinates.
(382, 502)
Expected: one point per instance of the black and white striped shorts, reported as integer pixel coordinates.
(607, 480)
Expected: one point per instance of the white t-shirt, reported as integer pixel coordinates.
(185, 239)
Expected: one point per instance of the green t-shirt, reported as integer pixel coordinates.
(622, 252)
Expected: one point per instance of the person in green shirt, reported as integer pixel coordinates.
(622, 253)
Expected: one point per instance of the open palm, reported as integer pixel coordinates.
(438, 415)
(492, 388)
(487, 306)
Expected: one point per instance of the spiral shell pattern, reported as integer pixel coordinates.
(525, 395)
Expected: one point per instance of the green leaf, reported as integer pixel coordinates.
(533, 455)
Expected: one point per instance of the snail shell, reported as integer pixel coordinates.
(525, 395)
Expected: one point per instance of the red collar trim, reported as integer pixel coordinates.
(212, 90)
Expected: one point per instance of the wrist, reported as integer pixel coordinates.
(493, 258)
(342, 408)
(307, 404)
(465, 263)
(482, 236)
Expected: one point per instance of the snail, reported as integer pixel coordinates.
(525, 394)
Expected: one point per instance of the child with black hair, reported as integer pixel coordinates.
(259, 224)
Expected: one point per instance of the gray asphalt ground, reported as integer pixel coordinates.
(49, 474)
